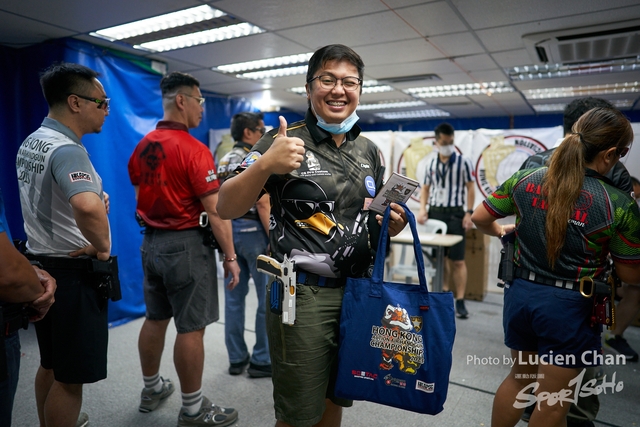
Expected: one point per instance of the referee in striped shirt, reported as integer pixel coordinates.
(448, 187)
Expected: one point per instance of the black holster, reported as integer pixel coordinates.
(109, 282)
(507, 268)
(208, 239)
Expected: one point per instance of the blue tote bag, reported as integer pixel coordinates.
(396, 339)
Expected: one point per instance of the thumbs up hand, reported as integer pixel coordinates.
(286, 154)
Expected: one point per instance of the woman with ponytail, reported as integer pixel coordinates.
(569, 219)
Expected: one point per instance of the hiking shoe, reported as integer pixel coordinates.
(83, 420)
(238, 367)
(149, 400)
(259, 371)
(209, 415)
(619, 345)
(461, 309)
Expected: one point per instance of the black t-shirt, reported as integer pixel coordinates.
(317, 215)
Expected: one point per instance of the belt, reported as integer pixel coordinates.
(311, 279)
(62, 263)
(150, 228)
(445, 209)
(523, 273)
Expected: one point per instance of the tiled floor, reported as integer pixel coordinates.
(478, 369)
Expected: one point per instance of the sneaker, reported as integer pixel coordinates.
(620, 346)
(149, 400)
(209, 415)
(83, 420)
(461, 310)
(259, 371)
(238, 367)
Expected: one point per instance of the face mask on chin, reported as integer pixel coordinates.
(337, 128)
(446, 150)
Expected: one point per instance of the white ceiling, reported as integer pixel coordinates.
(462, 41)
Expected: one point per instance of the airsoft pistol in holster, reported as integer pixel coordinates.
(283, 287)
(109, 284)
(507, 268)
(208, 239)
(603, 294)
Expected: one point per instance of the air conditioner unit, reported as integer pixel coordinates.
(587, 44)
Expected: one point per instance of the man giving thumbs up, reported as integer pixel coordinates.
(320, 174)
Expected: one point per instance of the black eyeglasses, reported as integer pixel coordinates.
(102, 103)
(328, 82)
(261, 130)
(197, 98)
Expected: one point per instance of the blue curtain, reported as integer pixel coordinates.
(136, 107)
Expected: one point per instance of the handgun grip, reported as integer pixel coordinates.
(266, 264)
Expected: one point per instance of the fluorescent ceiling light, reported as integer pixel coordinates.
(202, 37)
(263, 64)
(546, 71)
(368, 86)
(176, 30)
(276, 72)
(460, 90)
(390, 105)
(160, 23)
(552, 108)
(623, 103)
(574, 92)
(376, 89)
(418, 114)
(549, 108)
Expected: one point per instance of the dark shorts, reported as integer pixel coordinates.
(304, 357)
(552, 322)
(180, 279)
(73, 337)
(453, 218)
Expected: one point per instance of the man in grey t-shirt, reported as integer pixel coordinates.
(65, 219)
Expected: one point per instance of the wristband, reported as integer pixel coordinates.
(233, 258)
(470, 211)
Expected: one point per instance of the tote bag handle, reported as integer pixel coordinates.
(378, 268)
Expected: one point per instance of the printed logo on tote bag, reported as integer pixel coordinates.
(426, 387)
(397, 341)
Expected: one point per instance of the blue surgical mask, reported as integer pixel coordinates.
(337, 128)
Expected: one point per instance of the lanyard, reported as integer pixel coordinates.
(446, 167)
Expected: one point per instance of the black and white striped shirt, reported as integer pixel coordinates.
(448, 180)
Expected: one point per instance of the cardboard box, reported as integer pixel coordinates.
(477, 260)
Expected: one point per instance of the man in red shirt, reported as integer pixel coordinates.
(175, 181)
